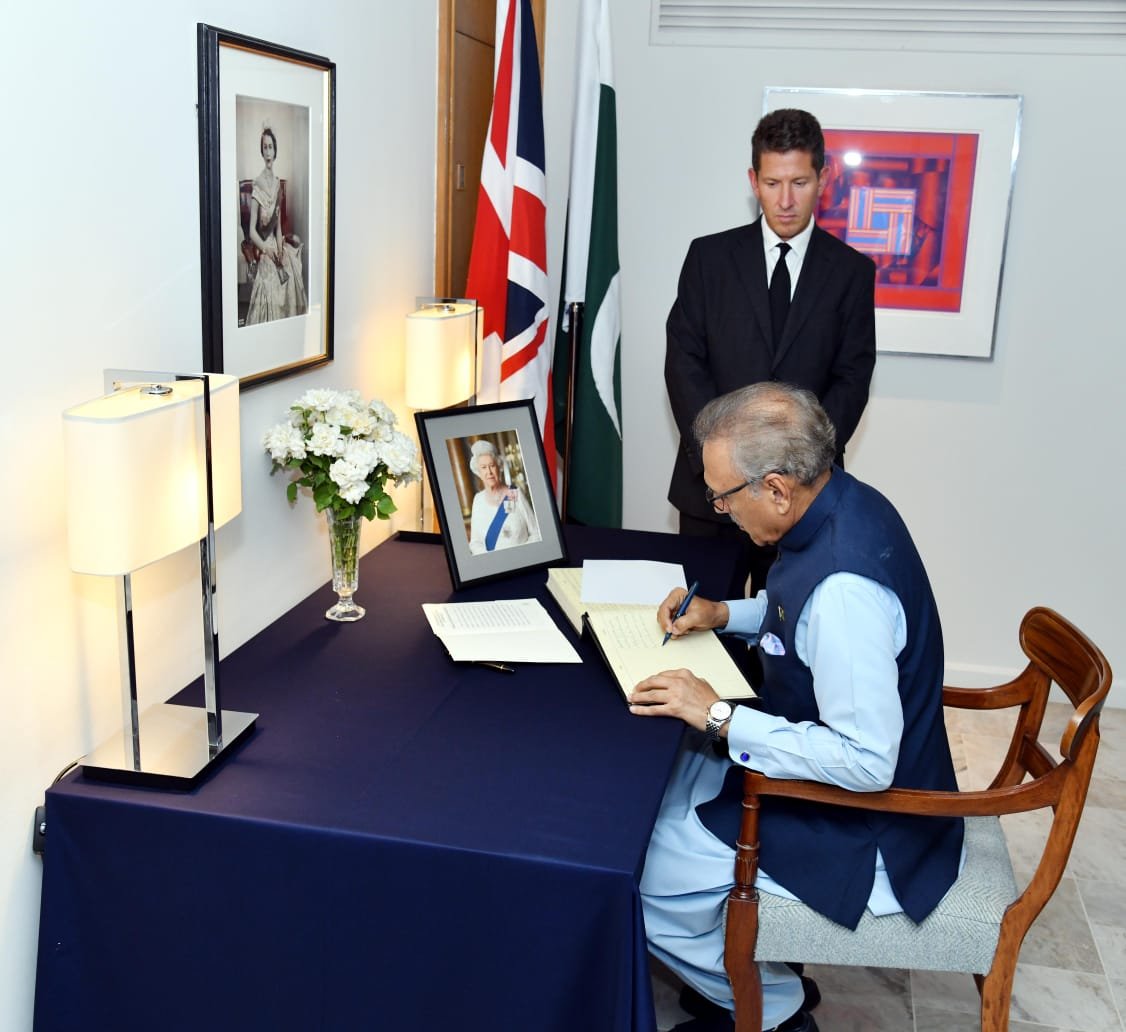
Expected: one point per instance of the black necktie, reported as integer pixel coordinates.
(779, 295)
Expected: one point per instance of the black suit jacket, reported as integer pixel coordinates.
(719, 338)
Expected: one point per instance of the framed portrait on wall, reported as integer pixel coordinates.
(922, 184)
(493, 496)
(267, 150)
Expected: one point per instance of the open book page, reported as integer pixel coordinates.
(508, 630)
(565, 585)
(630, 641)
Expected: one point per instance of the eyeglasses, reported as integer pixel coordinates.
(719, 501)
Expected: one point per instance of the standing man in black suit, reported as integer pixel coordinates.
(779, 299)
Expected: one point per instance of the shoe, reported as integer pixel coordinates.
(699, 1006)
(802, 1021)
(812, 995)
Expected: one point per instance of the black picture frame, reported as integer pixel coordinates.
(254, 323)
(463, 508)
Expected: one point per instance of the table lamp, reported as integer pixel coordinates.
(441, 360)
(152, 467)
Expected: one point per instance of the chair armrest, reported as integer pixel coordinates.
(1044, 791)
(1013, 693)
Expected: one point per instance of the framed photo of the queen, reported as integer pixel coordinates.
(492, 492)
(267, 184)
(922, 184)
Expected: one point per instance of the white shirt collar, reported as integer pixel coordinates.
(798, 244)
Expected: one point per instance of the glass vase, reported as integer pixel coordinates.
(344, 549)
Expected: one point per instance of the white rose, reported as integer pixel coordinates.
(350, 480)
(326, 439)
(342, 415)
(400, 455)
(361, 454)
(320, 400)
(284, 442)
(363, 423)
(381, 432)
(382, 412)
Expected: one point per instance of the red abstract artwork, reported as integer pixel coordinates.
(903, 198)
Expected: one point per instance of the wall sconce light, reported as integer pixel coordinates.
(152, 467)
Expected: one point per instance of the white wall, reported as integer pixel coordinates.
(101, 269)
(1008, 472)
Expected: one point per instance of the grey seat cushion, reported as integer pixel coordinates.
(959, 935)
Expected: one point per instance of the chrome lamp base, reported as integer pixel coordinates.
(172, 749)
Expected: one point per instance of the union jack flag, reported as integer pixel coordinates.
(508, 261)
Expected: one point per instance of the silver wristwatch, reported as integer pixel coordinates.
(719, 713)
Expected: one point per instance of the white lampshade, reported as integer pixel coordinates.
(441, 347)
(135, 487)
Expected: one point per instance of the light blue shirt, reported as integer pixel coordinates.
(849, 633)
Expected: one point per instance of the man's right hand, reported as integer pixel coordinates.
(702, 615)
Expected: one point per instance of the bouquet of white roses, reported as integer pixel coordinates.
(346, 450)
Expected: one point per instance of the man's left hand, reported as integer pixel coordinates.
(674, 693)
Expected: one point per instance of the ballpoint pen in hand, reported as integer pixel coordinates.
(682, 608)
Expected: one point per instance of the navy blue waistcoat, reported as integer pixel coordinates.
(826, 855)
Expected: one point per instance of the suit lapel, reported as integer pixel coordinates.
(815, 271)
(750, 266)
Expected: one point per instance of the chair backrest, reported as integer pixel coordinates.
(1059, 653)
(1067, 656)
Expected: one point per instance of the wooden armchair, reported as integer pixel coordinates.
(981, 922)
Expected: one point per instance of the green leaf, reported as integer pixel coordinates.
(386, 506)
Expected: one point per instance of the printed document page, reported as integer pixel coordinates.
(630, 641)
(509, 630)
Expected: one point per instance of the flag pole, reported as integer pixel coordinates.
(576, 319)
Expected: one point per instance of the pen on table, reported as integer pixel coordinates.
(682, 608)
(495, 666)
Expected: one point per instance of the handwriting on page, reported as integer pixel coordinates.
(631, 643)
(633, 628)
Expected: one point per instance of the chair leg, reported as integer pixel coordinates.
(996, 998)
(739, 959)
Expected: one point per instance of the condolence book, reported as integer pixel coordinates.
(630, 642)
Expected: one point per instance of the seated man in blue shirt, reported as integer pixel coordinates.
(851, 646)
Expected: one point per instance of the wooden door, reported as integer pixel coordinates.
(466, 46)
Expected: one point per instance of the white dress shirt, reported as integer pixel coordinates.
(794, 257)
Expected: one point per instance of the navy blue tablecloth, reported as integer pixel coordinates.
(402, 843)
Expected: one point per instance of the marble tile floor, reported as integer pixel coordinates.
(1072, 971)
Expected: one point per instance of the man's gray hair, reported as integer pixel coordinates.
(774, 428)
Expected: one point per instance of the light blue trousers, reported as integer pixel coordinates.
(684, 887)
